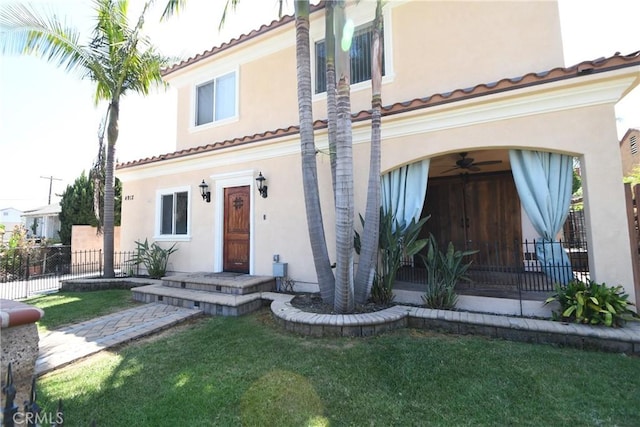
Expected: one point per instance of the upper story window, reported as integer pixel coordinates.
(173, 213)
(216, 99)
(633, 144)
(360, 58)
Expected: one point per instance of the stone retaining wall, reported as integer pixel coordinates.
(621, 340)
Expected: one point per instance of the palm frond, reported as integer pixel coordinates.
(172, 7)
(234, 5)
(26, 31)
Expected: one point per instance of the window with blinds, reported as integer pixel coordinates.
(360, 58)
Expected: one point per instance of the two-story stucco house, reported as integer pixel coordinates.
(466, 85)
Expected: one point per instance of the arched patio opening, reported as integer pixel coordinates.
(472, 201)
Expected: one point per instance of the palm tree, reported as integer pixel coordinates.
(117, 58)
(369, 252)
(344, 205)
(326, 279)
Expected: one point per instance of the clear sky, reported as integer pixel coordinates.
(49, 124)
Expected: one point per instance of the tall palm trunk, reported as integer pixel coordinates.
(330, 55)
(369, 252)
(326, 280)
(109, 191)
(344, 301)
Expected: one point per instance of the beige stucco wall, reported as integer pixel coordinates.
(279, 222)
(431, 47)
(86, 238)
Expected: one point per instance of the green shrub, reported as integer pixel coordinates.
(381, 294)
(592, 303)
(153, 257)
(19, 251)
(395, 244)
(444, 270)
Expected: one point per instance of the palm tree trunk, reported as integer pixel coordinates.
(343, 301)
(330, 54)
(109, 191)
(326, 280)
(370, 235)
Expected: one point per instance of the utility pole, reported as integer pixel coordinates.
(50, 178)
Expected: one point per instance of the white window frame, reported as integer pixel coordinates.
(158, 220)
(194, 96)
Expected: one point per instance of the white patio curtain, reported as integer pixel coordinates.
(544, 181)
(404, 190)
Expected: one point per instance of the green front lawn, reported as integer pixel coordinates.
(245, 371)
(63, 308)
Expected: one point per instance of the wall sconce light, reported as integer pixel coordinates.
(204, 192)
(262, 189)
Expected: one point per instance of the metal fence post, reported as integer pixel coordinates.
(31, 409)
(10, 408)
(26, 280)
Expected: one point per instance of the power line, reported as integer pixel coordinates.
(50, 178)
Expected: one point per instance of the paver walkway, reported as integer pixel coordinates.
(63, 346)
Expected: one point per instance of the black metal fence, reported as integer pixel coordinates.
(32, 414)
(525, 273)
(510, 268)
(41, 269)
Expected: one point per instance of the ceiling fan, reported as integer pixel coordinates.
(468, 163)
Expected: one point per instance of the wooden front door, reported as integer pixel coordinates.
(236, 229)
(476, 212)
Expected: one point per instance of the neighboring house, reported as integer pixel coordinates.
(9, 218)
(43, 222)
(630, 151)
(465, 83)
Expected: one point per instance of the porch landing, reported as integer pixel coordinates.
(225, 282)
(216, 294)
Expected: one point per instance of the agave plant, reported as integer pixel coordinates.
(444, 270)
(153, 257)
(395, 244)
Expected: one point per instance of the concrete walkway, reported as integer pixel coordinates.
(66, 345)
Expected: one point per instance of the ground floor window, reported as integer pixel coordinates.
(173, 212)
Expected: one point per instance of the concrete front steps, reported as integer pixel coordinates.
(216, 294)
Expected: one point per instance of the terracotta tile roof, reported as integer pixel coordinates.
(600, 65)
(236, 41)
(596, 66)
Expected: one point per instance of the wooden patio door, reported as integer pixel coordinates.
(236, 229)
(477, 211)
